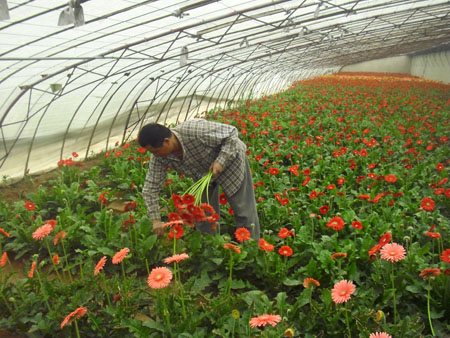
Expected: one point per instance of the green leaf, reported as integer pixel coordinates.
(237, 284)
(154, 325)
(106, 251)
(201, 283)
(292, 282)
(217, 261)
(413, 288)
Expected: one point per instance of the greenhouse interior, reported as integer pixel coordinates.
(224, 168)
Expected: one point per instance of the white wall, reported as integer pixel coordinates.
(433, 66)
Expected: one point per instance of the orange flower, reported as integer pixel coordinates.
(61, 234)
(393, 252)
(177, 231)
(101, 263)
(309, 282)
(336, 222)
(119, 256)
(265, 319)
(342, 291)
(176, 258)
(386, 238)
(427, 204)
(159, 278)
(33, 267)
(380, 335)
(29, 206)
(285, 251)
(432, 272)
(42, 231)
(338, 255)
(242, 234)
(264, 245)
(233, 247)
(4, 259)
(3, 231)
(80, 312)
(55, 259)
(284, 233)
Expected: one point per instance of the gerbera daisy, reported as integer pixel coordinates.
(4, 259)
(264, 245)
(342, 291)
(445, 256)
(285, 251)
(176, 258)
(80, 312)
(432, 272)
(55, 259)
(230, 246)
(390, 178)
(393, 252)
(33, 267)
(43, 231)
(336, 222)
(324, 209)
(177, 231)
(100, 265)
(284, 233)
(119, 256)
(265, 319)
(338, 255)
(380, 335)
(159, 278)
(386, 238)
(427, 204)
(29, 206)
(223, 199)
(242, 234)
(308, 282)
(61, 234)
(357, 225)
(4, 233)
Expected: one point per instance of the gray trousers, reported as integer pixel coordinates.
(242, 202)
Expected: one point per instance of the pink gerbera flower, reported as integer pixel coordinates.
(159, 278)
(100, 265)
(42, 231)
(380, 335)
(119, 256)
(176, 258)
(265, 319)
(393, 252)
(342, 291)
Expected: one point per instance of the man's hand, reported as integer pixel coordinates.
(216, 168)
(158, 227)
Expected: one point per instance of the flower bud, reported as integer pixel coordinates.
(235, 313)
(289, 333)
(380, 315)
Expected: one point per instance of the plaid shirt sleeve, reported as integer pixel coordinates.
(154, 180)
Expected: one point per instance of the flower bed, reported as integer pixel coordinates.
(351, 177)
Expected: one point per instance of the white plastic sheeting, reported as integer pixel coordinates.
(81, 87)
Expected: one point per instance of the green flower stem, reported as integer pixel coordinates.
(53, 263)
(6, 304)
(67, 262)
(428, 308)
(102, 276)
(76, 329)
(44, 294)
(393, 290)
(199, 187)
(125, 286)
(147, 267)
(347, 321)
(166, 314)
(228, 293)
(181, 288)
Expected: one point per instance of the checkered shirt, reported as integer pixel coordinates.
(203, 142)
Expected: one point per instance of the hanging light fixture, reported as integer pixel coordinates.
(4, 11)
(72, 14)
(184, 56)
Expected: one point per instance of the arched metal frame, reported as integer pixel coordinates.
(233, 47)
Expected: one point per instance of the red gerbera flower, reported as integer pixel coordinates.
(188, 199)
(445, 256)
(29, 206)
(427, 204)
(386, 238)
(273, 171)
(427, 273)
(242, 234)
(284, 233)
(285, 251)
(223, 199)
(324, 209)
(390, 178)
(264, 245)
(339, 255)
(357, 225)
(336, 222)
(177, 231)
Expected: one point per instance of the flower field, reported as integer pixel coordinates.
(350, 173)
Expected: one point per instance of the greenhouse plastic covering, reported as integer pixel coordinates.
(80, 76)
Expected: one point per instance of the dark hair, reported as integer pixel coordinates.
(153, 134)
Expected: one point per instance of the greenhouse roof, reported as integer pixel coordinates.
(78, 75)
